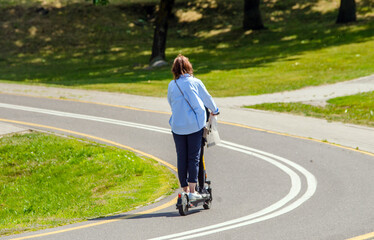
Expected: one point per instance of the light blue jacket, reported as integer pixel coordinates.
(183, 120)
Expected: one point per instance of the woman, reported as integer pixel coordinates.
(188, 97)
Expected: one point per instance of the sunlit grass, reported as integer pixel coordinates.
(108, 48)
(357, 109)
(46, 181)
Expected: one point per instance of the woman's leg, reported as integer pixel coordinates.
(192, 187)
(182, 160)
(194, 148)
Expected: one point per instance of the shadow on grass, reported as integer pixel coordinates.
(82, 44)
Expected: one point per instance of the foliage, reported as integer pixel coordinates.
(100, 2)
(357, 109)
(48, 181)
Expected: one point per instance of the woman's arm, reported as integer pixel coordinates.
(207, 98)
(169, 95)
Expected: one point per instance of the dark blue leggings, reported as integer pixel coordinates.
(188, 153)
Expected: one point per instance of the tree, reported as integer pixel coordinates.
(347, 11)
(160, 33)
(252, 15)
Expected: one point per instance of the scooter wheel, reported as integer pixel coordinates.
(207, 204)
(183, 207)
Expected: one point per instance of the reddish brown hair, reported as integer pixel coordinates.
(181, 66)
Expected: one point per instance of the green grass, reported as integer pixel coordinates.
(107, 48)
(357, 109)
(46, 181)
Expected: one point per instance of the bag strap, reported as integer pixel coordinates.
(184, 97)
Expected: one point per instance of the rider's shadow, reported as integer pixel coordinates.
(142, 216)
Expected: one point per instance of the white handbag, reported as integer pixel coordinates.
(212, 136)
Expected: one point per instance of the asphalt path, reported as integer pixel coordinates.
(265, 185)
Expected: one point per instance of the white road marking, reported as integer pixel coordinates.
(265, 214)
(272, 211)
(86, 117)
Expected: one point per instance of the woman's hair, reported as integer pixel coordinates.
(181, 66)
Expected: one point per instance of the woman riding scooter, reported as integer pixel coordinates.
(188, 97)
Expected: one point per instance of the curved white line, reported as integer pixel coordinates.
(294, 191)
(256, 217)
(267, 213)
(311, 180)
(86, 117)
(270, 212)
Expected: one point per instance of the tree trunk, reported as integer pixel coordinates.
(347, 11)
(159, 37)
(252, 15)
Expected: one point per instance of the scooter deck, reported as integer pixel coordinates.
(184, 203)
(200, 201)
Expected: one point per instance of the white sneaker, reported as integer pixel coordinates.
(194, 196)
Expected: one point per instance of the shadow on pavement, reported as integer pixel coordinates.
(142, 216)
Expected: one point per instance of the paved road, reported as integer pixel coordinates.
(266, 185)
(349, 135)
(314, 95)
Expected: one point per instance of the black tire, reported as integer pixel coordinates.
(183, 207)
(207, 204)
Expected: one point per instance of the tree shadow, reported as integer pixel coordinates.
(283, 38)
(79, 44)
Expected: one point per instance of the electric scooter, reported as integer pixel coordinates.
(203, 187)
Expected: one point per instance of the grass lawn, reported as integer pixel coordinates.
(75, 44)
(357, 109)
(46, 181)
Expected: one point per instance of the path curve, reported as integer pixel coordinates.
(242, 183)
(349, 135)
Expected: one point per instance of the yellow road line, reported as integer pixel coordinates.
(299, 137)
(84, 101)
(93, 137)
(222, 122)
(165, 205)
(363, 237)
(366, 236)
